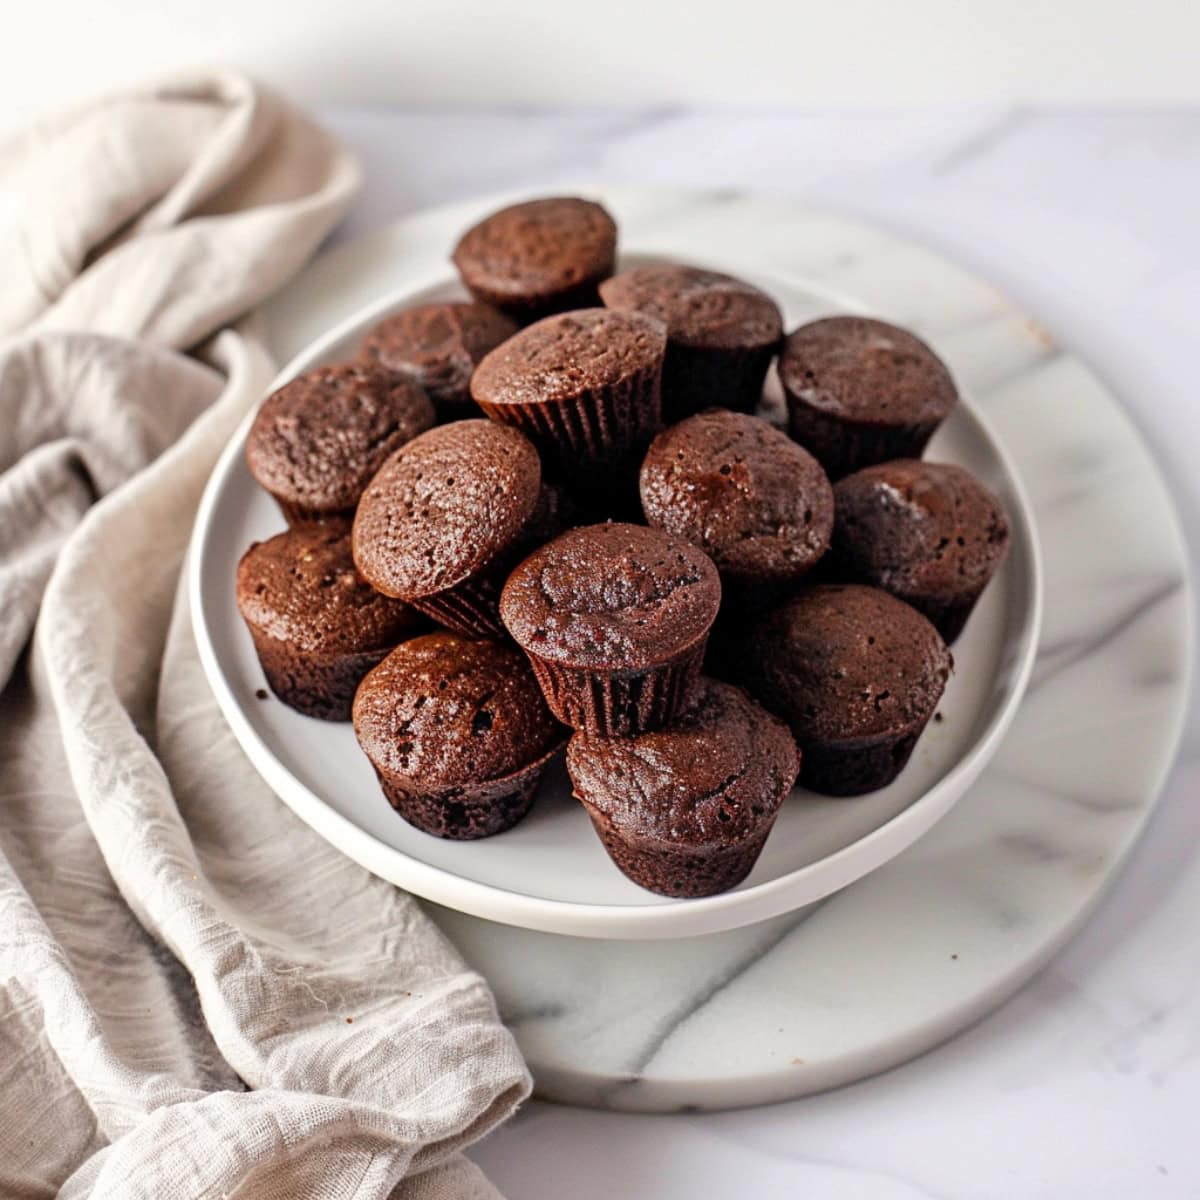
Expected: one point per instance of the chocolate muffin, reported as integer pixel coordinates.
(458, 734)
(861, 391)
(318, 626)
(929, 533)
(537, 258)
(438, 346)
(614, 619)
(317, 441)
(758, 504)
(584, 386)
(445, 518)
(685, 811)
(856, 673)
(721, 334)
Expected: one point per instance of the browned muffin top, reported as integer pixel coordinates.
(438, 346)
(742, 491)
(445, 506)
(611, 596)
(317, 441)
(843, 661)
(921, 528)
(541, 247)
(301, 587)
(442, 710)
(715, 777)
(704, 309)
(563, 356)
(865, 370)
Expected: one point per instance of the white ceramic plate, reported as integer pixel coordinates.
(551, 873)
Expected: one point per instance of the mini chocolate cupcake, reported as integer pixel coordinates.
(861, 391)
(759, 505)
(438, 346)
(584, 386)
(615, 619)
(540, 257)
(458, 734)
(317, 441)
(445, 518)
(721, 334)
(856, 673)
(685, 811)
(929, 533)
(318, 626)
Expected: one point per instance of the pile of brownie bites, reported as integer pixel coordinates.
(549, 518)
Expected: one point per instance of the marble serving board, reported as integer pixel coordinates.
(930, 942)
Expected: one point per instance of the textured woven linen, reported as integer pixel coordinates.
(198, 997)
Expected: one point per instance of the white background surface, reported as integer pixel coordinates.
(1088, 1083)
(857, 53)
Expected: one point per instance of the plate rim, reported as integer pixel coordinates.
(685, 918)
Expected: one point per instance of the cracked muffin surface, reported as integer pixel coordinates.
(450, 710)
(438, 346)
(716, 775)
(316, 442)
(445, 506)
(616, 595)
(919, 527)
(540, 256)
(745, 493)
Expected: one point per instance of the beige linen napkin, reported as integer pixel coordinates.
(198, 996)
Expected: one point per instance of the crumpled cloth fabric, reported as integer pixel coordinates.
(198, 996)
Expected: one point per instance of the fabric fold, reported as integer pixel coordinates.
(198, 995)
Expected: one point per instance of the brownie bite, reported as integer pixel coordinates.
(614, 619)
(860, 391)
(685, 810)
(856, 673)
(752, 499)
(929, 533)
(584, 386)
(457, 732)
(438, 346)
(318, 627)
(316, 442)
(537, 258)
(721, 333)
(444, 519)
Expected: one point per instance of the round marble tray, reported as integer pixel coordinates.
(930, 942)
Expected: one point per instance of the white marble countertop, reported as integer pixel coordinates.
(1088, 1082)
